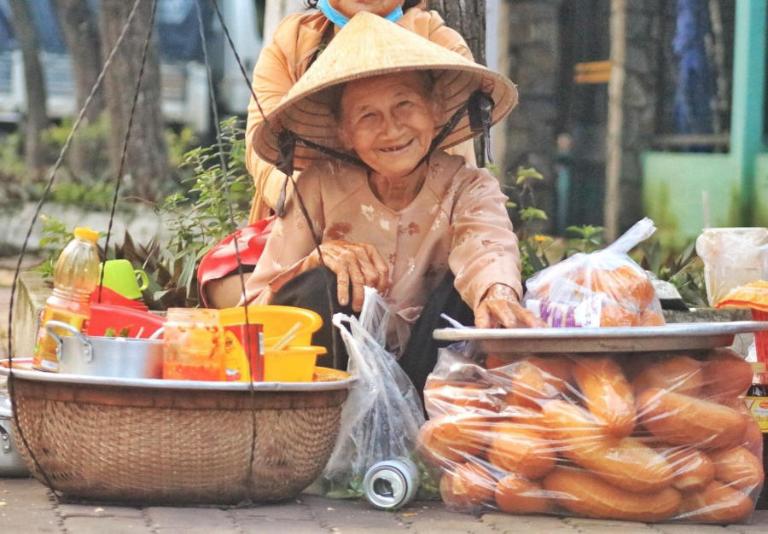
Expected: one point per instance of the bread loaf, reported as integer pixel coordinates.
(685, 420)
(586, 494)
(606, 392)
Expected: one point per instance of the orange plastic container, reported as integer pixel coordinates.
(276, 321)
(193, 345)
(293, 364)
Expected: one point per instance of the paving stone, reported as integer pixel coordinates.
(293, 511)
(688, 528)
(100, 525)
(15, 519)
(278, 526)
(526, 523)
(600, 526)
(90, 510)
(347, 514)
(455, 526)
(26, 492)
(189, 518)
(433, 513)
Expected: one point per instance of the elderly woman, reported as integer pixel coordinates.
(298, 41)
(426, 229)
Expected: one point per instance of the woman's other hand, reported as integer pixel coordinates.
(355, 264)
(500, 307)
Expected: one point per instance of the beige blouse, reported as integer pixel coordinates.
(458, 220)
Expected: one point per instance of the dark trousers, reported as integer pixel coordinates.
(312, 289)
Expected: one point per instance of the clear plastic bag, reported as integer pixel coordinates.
(732, 257)
(383, 413)
(604, 288)
(637, 436)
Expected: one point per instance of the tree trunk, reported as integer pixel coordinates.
(466, 17)
(146, 161)
(81, 34)
(37, 117)
(82, 37)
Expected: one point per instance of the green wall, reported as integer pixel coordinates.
(673, 193)
(760, 202)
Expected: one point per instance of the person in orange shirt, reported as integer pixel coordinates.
(297, 42)
(380, 203)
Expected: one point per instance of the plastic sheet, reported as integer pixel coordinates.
(634, 436)
(604, 288)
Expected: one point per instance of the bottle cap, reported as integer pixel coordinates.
(83, 232)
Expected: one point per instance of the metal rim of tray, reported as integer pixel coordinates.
(675, 336)
(187, 385)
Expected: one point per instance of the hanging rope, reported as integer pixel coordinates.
(302, 206)
(51, 179)
(241, 275)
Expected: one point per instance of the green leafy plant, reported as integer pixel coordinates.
(55, 236)
(201, 217)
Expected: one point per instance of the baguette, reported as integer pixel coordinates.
(625, 462)
(531, 381)
(468, 486)
(685, 420)
(726, 376)
(516, 495)
(693, 469)
(586, 494)
(453, 438)
(521, 451)
(681, 374)
(717, 503)
(738, 468)
(606, 393)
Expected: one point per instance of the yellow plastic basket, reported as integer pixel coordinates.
(276, 320)
(293, 364)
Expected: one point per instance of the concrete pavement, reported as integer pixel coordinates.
(26, 507)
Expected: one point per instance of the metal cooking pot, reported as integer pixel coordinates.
(106, 356)
(11, 463)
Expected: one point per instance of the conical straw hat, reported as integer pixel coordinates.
(368, 46)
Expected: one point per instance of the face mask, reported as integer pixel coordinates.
(340, 20)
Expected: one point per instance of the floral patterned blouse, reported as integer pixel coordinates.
(457, 221)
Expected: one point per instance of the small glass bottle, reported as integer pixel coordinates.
(193, 345)
(757, 403)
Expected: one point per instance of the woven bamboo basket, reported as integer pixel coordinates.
(174, 445)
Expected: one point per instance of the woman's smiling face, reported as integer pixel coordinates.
(389, 121)
(349, 8)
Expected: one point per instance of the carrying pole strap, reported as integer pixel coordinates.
(46, 192)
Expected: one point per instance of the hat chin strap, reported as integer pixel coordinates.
(479, 105)
(340, 20)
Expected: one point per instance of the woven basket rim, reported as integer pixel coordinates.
(178, 385)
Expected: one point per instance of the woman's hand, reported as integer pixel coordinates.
(358, 264)
(501, 308)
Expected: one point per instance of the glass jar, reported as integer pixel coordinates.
(193, 345)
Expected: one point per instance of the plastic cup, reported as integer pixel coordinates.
(122, 278)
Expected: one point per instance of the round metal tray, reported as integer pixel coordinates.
(186, 385)
(675, 336)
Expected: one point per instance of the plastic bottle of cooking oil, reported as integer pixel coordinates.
(75, 276)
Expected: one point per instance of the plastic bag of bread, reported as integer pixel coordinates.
(604, 288)
(636, 436)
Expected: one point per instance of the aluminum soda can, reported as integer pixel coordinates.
(391, 484)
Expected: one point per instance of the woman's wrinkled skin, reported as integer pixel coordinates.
(389, 122)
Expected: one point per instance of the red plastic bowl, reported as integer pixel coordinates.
(139, 323)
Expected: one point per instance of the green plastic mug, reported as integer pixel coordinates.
(121, 277)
